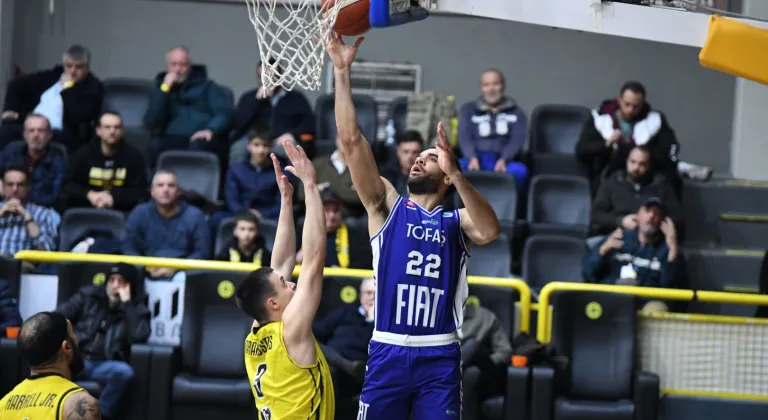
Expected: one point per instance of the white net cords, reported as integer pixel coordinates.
(292, 40)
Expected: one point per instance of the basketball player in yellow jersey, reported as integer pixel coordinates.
(289, 376)
(47, 342)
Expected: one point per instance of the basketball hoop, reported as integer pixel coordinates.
(292, 40)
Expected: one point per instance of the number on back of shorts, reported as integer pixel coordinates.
(260, 371)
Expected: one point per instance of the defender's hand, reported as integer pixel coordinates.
(342, 55)
(286, 189)
(301, 166)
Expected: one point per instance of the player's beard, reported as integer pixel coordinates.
(423, 185)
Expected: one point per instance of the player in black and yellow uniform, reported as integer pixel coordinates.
(47, 342)
(289, 376)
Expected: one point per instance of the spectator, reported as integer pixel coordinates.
(344, 335)
(287, 112)
(351, 246)
(9, 308)
(333, 174)
(247, 243)
(69, 96)
(108, 174)
(486, 349)
(618, 125)
(646, 256)
(250, 183)
(107, 319)
(409, 146)
(622, 193)
(166, 227)
(187, 110)
(493, 130)
(24, 225)
(46, 166)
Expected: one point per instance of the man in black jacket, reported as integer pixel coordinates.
(107, 320)
(108, 174)
(70, 96)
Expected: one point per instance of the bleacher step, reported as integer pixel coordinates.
(743, 230)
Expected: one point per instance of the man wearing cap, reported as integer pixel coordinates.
(351, 246)
(107, 320)
(645, 256)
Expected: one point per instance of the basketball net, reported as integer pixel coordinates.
(292, 40)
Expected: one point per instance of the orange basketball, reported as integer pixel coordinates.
(353, 16)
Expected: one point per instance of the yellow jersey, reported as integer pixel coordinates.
(281, 388)
(39, 397)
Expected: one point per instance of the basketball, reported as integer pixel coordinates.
(353, 16)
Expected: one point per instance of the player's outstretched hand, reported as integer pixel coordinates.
(342, 55)
(301, 166)
(445, 157)
(286, 188)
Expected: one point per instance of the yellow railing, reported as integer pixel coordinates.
(183, 264)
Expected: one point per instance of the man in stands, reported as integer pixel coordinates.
(648, 255)
(618, 125)
(24, 225)
(187, 110)
(344, 334)
(347, 248)
(166, 227)
(493, 130)
(288, 113)
(333, 174)
(107, 319)
(623, 192)
(108, 174)
(46, 166)
(409, 146)
(69, 96)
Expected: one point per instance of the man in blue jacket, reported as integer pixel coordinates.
(646, 256)
(187, 110)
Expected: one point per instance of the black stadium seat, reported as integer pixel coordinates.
(196, 171)
(224, 233)
(338, 291)
(11, 370)
(73, 276)
(367, 118)
(555, 130)
(501, 192)
(548, 258)
(559, 205)
(491, 260)
(397, 112)
(205, 377)
(77, 222)
(499, 300)
(597, 332)
(129, 97)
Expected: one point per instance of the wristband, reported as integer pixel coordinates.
(165, 88)
(68, 85)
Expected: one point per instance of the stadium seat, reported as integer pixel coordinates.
(224, 233)
(140, 139)
(555, 130)
(597, 333)
(397, 113)
(337, 292)
(205, 377)
(559, 204)
(73, 276)
(491, 260)
(367, 118)
(501, 192)
(196, 171)
(10, 364)
(548, 258)
(78, 221)
(129, 97)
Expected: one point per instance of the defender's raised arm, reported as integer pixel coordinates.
(284, 249)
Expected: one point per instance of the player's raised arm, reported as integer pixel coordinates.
(298, 315)
(478, 220)
(284, 249)
(357, 151)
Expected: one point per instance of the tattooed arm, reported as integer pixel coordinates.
(81, 406)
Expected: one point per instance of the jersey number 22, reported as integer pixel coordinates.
(431, 268)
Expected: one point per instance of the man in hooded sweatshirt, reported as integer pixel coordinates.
(107, 319)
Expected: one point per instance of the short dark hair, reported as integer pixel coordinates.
(15, 168)
(260, 130)
(633, 86)
(246, 216)
(109, 112)
(497, 71)
(40, 338)
(252, 293)
(409, 136)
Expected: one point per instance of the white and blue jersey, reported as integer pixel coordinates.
(420, 268)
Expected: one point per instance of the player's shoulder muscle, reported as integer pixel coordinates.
(81, 406)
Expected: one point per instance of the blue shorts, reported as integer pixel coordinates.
(421, 381)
